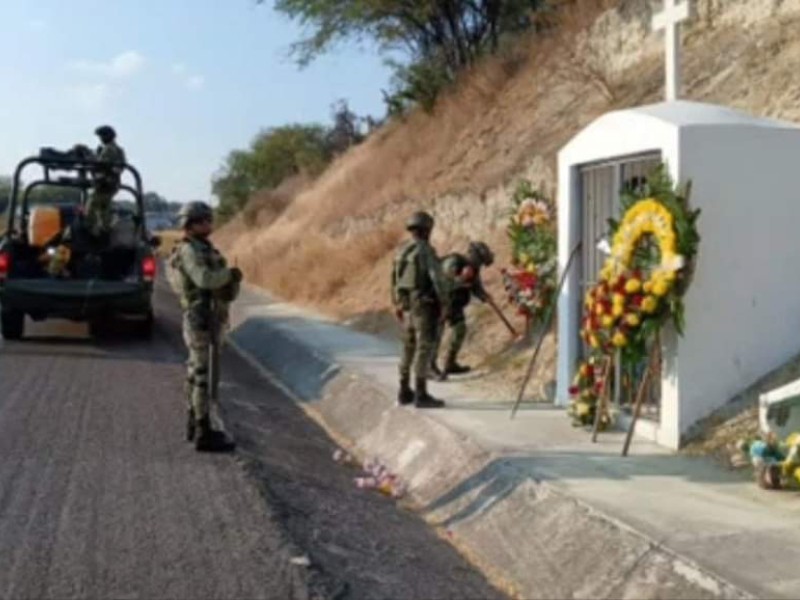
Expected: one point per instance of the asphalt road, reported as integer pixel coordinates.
(101, 497)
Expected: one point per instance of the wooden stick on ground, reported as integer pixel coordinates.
(548, 319)
(601, 399)
(644, 387)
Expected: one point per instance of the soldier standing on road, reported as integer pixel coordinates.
(106, 181)
(206, 287)
(463, 275)
(418, 295)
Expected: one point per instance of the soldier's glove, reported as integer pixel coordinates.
(236, 275)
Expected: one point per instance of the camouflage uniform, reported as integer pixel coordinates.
(206, 286)
(419, 291)
(106, 185)
(205, 276)
(460, 296)
(463, 276)
(421, 306)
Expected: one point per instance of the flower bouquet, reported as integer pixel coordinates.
(585, 392)
(531, 280)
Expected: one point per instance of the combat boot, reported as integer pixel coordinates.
(405, 395)
(422, 399)
(188, 387)
(452, 367)
(437, 373)
(190, 425)
(211, 440)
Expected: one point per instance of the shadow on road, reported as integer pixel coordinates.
(120, 340)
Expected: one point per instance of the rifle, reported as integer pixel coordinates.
(213, 351)
(503, 318)
(214, 348)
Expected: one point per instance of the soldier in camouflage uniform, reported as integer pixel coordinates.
(206, 286)
(463, 275)
(106, 181)
(418, 294)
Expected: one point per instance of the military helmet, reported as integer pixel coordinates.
(192, 212)
(420, 220)
(482, 253)
(105, 131)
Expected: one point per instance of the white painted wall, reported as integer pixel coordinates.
(743, 308)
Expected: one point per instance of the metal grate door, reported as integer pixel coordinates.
(601, 185)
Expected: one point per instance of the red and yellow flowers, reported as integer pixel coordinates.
(625, 296)
(530, 282)
(586, 389)
(641, 283)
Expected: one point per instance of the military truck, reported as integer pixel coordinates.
(50, 265)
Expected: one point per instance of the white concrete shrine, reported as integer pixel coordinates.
(743, 307)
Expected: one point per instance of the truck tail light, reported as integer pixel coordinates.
(148, 268)
(5, 265)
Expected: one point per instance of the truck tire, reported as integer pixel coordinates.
(13, 324)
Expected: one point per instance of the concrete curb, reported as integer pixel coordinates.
(530, 538)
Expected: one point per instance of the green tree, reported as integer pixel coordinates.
(456, 30)
(441, 35)
(273, 156)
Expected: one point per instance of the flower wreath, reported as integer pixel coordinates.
(531, 281)
(641, 284)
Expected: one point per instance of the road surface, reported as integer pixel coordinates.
(101, 497)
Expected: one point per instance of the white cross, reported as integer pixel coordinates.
(669, 20)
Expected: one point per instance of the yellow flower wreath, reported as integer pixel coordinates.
(646, 217)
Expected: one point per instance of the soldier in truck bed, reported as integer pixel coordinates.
(106, 181)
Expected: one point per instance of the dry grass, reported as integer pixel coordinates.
(331, 245)
(168, 241)
(500, 115)
(476, 137)
(267, 205)
(315, 268)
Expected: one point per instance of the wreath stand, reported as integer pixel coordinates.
(645, 385)
(602, 399)
(547, 322)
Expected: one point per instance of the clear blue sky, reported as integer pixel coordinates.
(183, 81)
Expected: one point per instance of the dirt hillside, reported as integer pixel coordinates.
(329, 243)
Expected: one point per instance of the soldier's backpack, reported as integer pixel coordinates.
(406, 269)
(173, 271)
